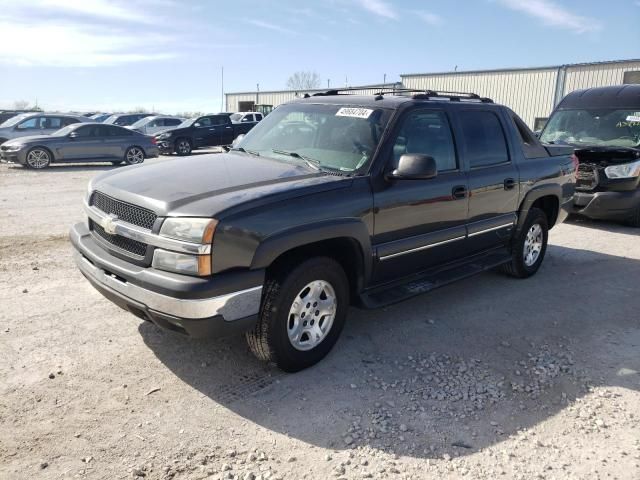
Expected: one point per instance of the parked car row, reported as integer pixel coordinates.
(37, 139)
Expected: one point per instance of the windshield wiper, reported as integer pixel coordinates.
(243, 150)
(312, 162)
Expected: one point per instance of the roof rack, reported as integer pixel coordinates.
(418, 94)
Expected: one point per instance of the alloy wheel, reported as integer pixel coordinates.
(135, 155)
(311, 315)
(38, 158)
(184, 148)
(532, 245)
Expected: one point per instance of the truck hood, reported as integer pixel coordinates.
(605, 156)
(213, 184)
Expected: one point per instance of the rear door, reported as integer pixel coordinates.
(227, 132)
(420, 224)
(493, 176)
(49, 124)
(116, 140)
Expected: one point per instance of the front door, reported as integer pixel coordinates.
(84, 144)
(493, 177)
(420, 224)
(206, 133)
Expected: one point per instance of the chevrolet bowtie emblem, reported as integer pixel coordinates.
(109, 224)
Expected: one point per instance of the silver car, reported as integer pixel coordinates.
(94, 142)
(38, 123)
(155, 124)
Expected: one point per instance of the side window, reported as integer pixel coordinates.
(247, 118)
(483, 138)
(50, 123)
(427, 132)
(29, 124)
(531, 146)
(156, 123)
(117, 131)
(258, 117)
(172, 122)
(85, 132)
(205, 122)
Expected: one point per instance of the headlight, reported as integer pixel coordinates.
(164, 136)
(182, 263)
(195, 230)
(626, 170)
(14, 148)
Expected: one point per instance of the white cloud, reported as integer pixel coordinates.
(270, 26)
(428, 17)
(79, 33)
(379, 8)
(552, 14)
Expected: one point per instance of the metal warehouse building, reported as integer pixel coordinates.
(530, 92)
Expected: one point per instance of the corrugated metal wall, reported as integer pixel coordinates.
(597, 75)
(529, 93)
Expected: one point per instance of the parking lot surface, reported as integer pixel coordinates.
(489, 378)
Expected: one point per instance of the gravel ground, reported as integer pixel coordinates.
(488, 378)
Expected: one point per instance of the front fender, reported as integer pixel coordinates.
(277, 244)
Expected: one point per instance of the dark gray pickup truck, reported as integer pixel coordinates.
(332, 200)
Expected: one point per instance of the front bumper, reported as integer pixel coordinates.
(165, 146)
(199, 307)
(13, 157)
(606, 205)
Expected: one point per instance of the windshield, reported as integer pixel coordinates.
(602, 127)
(236, 117)
(329, 136)
(142, 122)
(65, 130)
(13, 120)
(187, 123)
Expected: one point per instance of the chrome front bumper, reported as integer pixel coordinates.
(232, 306)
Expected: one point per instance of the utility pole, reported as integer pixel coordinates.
(222, 107)
(328, 83)
(384, 80)
(257, 93)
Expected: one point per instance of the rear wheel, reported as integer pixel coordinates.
(302, 314)
(634, 220)
(529, 246)
(183, 146)
(38, 158)
(134, 155)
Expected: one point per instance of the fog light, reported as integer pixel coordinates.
(182, 263)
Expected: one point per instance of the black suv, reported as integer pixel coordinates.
(603, 124)
(206, 131)
(331, 200)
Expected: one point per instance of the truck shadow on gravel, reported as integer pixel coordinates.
(447, 373)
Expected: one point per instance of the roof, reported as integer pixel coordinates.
(619, 96)
(376, 101)
(519, 69)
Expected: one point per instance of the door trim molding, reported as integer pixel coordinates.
(424, 247)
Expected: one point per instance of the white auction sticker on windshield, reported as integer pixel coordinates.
(633, 118)
(354, 112)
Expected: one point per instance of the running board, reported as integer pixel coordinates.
(422, 283)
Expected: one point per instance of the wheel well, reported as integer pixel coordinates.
(42, 147)
(136, 146)
(345, 250)
(549, 205)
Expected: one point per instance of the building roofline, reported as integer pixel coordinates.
(318, 90)
(518, 69)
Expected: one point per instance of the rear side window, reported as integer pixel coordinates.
(51, 122)
(116, 131)
(172, 122)
(483, 139)
(531, 147)
(68, 121)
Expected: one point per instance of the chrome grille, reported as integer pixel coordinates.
(125, 211)
(123, 243)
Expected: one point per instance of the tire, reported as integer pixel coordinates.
(183, 147)
(38, 158)
(273, 338)
(134, 155)
(524, 260)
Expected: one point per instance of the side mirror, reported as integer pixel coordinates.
(414, 166)
(537, 134)
(197, 125)
(73, 135)
(237, 140)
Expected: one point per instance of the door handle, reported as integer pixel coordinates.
(509, 183)
(459, 191)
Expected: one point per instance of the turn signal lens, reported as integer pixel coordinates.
(182, 263)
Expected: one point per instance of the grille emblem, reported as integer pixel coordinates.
(109, 224)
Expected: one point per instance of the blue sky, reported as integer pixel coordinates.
(166, 54)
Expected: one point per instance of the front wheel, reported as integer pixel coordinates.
(302, 314)
(134, 156)
(38, 158)
(183, 146)
(529, 246)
